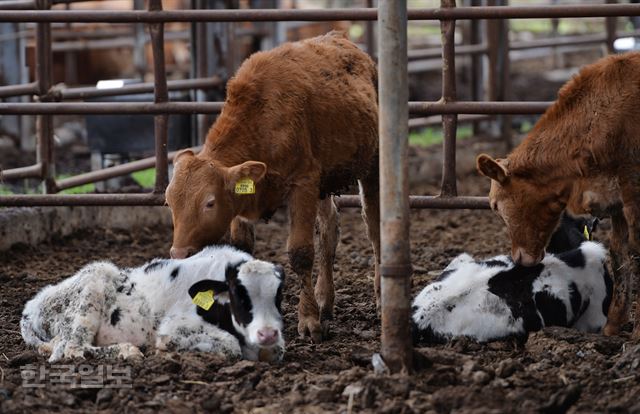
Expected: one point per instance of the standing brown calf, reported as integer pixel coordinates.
(300, 122)
(583, 152)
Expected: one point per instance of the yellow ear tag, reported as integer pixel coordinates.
(245, 186)
(204, 299)
(586, 233)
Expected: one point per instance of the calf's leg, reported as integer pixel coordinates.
(621, 269)
(242, 235)
(303, 208)
(370, 199)
(630, 189)
(329, 232)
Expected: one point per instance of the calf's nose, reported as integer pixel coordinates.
(181, 252)
(267, 336)
(523, 258)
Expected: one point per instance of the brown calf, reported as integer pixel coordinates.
(583, 155)
(300, 122)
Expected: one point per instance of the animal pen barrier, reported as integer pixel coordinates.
(392, 17)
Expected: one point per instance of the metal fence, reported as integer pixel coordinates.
(395, 266)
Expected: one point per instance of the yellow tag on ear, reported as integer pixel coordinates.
(245, 186)
(586, 233)
(204, 299)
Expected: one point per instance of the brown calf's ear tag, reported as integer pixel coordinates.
(245, 186)
(203, 299)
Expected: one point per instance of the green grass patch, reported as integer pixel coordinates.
(432, 136)
(145, 178)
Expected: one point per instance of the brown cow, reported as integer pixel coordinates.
(584, 151)
(301, 122)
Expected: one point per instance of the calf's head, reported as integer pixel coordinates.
(251, 297)
(531, 210)
(203, 200)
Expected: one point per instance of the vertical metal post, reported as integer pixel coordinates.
(395, 268)
(161, 94)
(449, 122)
(611, 23)
(498, 88)
(139, 58)
(476, 63)
(369, 34)
(44, 123)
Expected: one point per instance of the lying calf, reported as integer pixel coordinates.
(220, 300)
(496, 299)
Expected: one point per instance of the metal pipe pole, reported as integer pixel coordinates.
(395, 266)
(44, 123)
(449, 122)
(161, 95)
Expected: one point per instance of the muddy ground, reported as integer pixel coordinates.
(557, 370)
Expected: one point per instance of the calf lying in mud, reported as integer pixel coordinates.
(496, 299)
(220, 300)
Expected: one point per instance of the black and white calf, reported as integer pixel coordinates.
(495, 299)
(219, 300)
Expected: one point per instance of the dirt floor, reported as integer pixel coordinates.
(558, 370)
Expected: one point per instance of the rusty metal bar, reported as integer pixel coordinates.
(32, 171)
(241, 15)
(149, 108)
(161, 95)
(369, 35)
(395, 267)
(115, 171)
(425, 202)
(432, 53)
(176, 85)
(17, 90)
(110, 43)
(610, 24)
(434, 121)
(345, 201)
(21, 200)
(450, 121)
(44, 123)
(559, 41)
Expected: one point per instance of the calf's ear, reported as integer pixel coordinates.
(184, 154)
(491, 168)
(253, 170)
(206, 285)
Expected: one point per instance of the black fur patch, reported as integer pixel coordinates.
(174, 272)
(219, 315)
(241, 305)
(115, 317)
(426, 336)
(576, 301)
(155, 265)
(444, 275)
(573, 258)
(515, 287)
(551, 308)
(495, 263)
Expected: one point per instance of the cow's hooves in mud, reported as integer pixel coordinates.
(310, 328)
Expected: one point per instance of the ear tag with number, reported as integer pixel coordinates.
(204, 299)
(245, 186)
(586, 233)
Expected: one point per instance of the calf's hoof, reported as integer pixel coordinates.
(130, 352)
(310, 327)
(611, 330)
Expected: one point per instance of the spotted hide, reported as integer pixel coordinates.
(106, 311)
(495, 299)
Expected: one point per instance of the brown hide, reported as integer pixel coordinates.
(301, 121)
(583, 154)
(307, 110)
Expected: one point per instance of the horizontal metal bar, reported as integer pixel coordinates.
(84, 108)
(30, 4)
(487, 108)
(432, 53)
(437, 121)
(418, 108)
(109, 43)
(147, 199)
(115, 171)
(559, 41)
(31, 171)
(22, 200)
(242, 15)
(175, 85)
(18, 90)
(426, 202)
